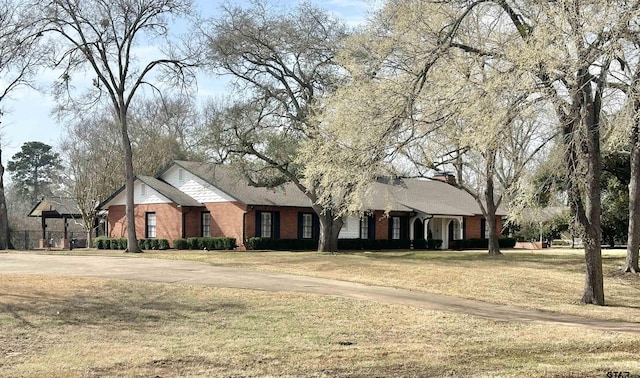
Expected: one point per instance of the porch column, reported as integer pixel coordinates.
(460, 231)
(412, 222)
(445, 232)
(43, 240)
(426, 228)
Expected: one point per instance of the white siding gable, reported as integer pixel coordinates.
(194, 186)
(350, 228)
(150, 196)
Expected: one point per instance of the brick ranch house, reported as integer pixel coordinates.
(194, 199)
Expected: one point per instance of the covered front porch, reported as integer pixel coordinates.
(436, 227)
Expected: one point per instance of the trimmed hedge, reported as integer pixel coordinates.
(121, 243)
(209, 244)
(282, 244)
(310, 244)
(373, 245)
(427, 244)
(107, 243)
(484, 243)
(153, 243)
(180, 244)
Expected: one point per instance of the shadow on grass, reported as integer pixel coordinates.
(119, 307)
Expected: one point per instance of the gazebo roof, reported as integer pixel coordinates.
(56, 207)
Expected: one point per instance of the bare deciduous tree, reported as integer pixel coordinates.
(282, 64)
(103, 37)
(19, 57)
(569, 47)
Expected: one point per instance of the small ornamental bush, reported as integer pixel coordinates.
(100, 242)
(143, 243)
(152, 244)
(163, 244)
(180, 244)
(434, 244)
(118, 243)
(194, 243)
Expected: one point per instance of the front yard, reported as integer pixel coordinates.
(549, 280)
(81, 327)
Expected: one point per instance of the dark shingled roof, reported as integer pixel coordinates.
(233, 184)
(170, 192)
(428, 196)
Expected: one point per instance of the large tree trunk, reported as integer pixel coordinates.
(584, 169)
(329, 230)
(490, 203)
(494, 243)
(594, 282)
(132, 240)
(633, 235)
(5, 237)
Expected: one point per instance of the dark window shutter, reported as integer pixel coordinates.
(300, 224)
(372, 227)
(315, 223)
(275, 219)
(390, 223)
(258, 224)
(404, 228)
(464, 228)
(483, 227)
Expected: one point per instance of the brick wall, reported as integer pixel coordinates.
(192, 221)
(288, 220)
(168, 221)
(226, 220)
(473, 227)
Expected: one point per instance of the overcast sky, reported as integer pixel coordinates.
(28, 111)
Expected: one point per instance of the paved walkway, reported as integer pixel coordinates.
(194, 273)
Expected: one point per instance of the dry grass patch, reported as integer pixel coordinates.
(550, 280)
(53, 326)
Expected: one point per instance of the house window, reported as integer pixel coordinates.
(364, 228)
(395, 228)
(205, 221)
(180, 175)
(150, 225)
(484, 230)
(143, 189)
(454, 230)
(307, 226)
(267, 221)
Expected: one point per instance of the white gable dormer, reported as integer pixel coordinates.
(142, 194)
(194, 186)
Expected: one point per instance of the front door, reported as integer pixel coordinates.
(418, 230)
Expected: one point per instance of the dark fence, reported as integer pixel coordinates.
(30, 239)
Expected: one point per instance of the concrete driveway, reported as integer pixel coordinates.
(194, 273)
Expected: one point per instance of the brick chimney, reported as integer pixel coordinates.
(447, 177)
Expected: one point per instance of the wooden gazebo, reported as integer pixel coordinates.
(55, 208)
